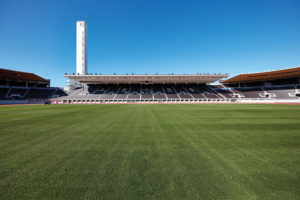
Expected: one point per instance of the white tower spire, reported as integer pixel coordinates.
(81, 48)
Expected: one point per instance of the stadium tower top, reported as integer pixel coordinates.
(82, 75)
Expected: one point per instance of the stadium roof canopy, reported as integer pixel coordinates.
(11, 75)
(265, 76)
(128, 79)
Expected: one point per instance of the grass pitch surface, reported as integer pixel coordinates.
(150, 152)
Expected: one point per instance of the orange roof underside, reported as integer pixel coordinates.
(265, 76)
(20, 76)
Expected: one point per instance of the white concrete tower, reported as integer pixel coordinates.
(81, 48)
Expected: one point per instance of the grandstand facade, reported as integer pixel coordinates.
(18, 87)
(273, 86)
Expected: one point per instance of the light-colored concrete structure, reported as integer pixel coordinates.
(148, 79)
(81, 48)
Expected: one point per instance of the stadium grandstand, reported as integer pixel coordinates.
(274, 86)
(25, 88)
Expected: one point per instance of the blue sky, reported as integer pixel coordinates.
(149, 36)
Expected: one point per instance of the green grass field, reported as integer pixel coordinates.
(150, 152)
